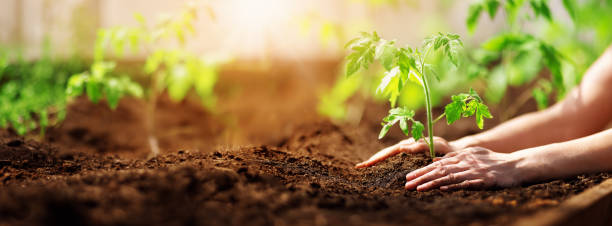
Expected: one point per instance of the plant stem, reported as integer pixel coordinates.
(150, 116)
(439, 117)
(430, 122)
(432, 152)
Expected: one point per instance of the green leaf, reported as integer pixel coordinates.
(540, 8)
(552, 60)
(363, 52)
(76, 85)
(453, 111)
(491, 7)
(179, 83)
(473, 16)
(417, 130)
(43, 119)
(570, 6)
(406, 62)
(404, 126)
(475, 95)
(386, 52)
(384, 130)
(541, 98)
(113, 92)
(390, 85)
(93, 90)
(470, 109)
(482, 112)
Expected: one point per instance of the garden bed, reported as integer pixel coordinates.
(263, 158)
(307, 179)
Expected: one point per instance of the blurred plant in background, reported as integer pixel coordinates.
(516, 58)
(32, 94)
(585, 39)
(173, 69)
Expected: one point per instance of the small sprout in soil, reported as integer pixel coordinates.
(407, 64)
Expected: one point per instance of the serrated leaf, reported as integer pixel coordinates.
(386, 52)
(470, 109)
(482, 112)
(363, 52)
(417, 130)
(390, 85)
(453, 111)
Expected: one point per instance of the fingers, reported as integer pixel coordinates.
(451, 178)
(379, 156)
(422, 171)
(476, 183)
(408, 146)
(441, 175)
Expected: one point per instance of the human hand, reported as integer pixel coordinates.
(409, 146)
(475, 167)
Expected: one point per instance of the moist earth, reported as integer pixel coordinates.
(307, 179)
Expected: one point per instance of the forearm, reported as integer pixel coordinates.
(529, 130)
(584, 111)
(585, 155)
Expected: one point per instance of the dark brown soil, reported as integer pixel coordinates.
(307, 181)
(264, 158)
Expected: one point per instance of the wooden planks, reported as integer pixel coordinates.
(592, 207)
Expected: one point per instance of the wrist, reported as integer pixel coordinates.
(463, 143)
(527, 167)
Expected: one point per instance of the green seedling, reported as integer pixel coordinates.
(521, 55)
(98, 84)
(406, 64)
(32, 93)
(174, 70)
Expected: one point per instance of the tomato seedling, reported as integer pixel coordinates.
(173, 69)
(407, 64)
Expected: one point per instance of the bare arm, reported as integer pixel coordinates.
(586, 110)
(480, 167)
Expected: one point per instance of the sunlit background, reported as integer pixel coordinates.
(249, 29)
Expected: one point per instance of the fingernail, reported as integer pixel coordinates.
(409, 185)
(444, 188)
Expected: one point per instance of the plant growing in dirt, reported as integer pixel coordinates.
(32, 93)
(406, 64)
(174, 70)
(521, 55)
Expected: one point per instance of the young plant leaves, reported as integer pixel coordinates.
(363, 54)
(466, 105)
